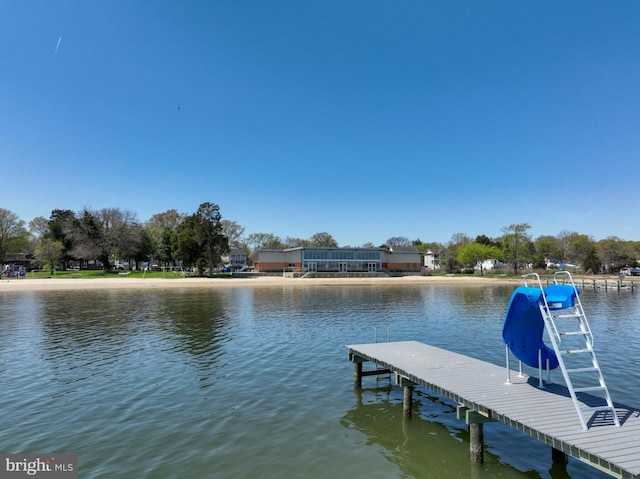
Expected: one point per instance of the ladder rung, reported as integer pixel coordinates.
(582, 370)
(590, 388)
(575, 351)
(572, 333)
(572, 315)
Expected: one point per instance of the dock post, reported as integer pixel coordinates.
(559, 457)
(357, 375)
(357, 369)
(476, 438)
(559, 461)
(475, 421)
(408, 386)
(406, 405)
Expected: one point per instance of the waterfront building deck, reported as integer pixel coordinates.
(547, 415)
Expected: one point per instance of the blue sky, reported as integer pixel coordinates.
(363, 119)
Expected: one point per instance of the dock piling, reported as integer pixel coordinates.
(408, 386)
(357, 375)
(558, 456)
(476, 438)
(406, 405)
(475, 421)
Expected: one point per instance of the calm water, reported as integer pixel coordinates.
(255, 382)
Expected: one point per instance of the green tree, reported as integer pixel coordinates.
(474, 254)
(547, 247)
(485, 240)
(516, 245)
(160, 229)
(591, 263)
(580, 247)
(199, 239)
(185, 243)
(214, 242)
(49, 251)
(615, 254)
(61, 228)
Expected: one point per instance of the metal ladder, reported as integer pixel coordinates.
(574, 349)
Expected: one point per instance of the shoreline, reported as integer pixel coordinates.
(71, 284)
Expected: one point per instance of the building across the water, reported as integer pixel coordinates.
(235, 259)
(318, 259)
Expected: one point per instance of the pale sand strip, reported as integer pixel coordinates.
(53, 284)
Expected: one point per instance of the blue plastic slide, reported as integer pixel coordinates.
(524, 325)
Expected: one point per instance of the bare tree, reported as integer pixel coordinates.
(39, 226)
(233, 231)
(564, 243)
(264, 240)
(13, 235)
(322, 239)
(398, 241)
(295, 242)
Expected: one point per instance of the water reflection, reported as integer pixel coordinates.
(240, 381)
(85, 334)
(418, 447)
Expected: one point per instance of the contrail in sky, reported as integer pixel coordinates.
(57, 46)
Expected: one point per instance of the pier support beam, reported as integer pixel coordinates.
(475, 421)
(559, 461)
(358, 372)
(357, 369)
(406, 405)
(357, 375)
(408, 386)
(558, 457)
(476, 439)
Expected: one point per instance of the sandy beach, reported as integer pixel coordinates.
(65, 284)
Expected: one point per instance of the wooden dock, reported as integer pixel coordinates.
(547, 415)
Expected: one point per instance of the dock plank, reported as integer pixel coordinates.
(547, 415)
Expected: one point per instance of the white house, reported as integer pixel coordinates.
(489, 264)
(235, 260)
(432, 259)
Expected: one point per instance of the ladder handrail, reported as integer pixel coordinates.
(578, 305)
(555, 331)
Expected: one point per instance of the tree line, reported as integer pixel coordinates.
(201, 239)
(517, 249)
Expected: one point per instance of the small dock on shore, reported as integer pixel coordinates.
(607, 284)
(483, 394)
